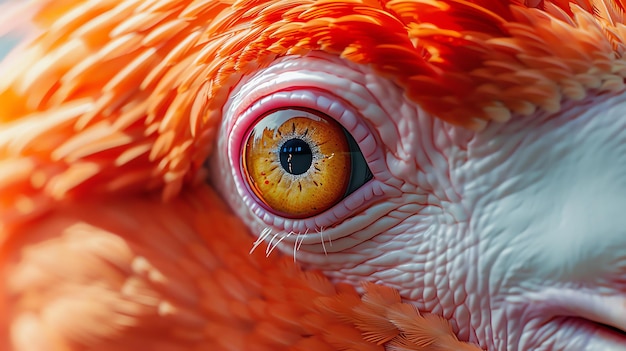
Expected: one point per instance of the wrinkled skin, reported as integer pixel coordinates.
(515, 233)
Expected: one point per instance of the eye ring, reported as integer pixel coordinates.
(247, 108)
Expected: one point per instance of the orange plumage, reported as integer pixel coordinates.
(115, 102)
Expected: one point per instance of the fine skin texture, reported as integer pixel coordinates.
(493, 213)
(496, 230)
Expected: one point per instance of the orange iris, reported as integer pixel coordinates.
(297, 162)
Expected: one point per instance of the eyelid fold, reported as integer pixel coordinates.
(279, 87)
(303, 98)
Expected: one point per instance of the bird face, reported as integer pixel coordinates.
(513, 232)
(470, 154)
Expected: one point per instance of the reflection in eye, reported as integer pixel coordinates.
(300, 162)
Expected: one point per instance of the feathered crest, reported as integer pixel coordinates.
(126, 95)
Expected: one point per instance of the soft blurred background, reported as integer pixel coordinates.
(6, 41)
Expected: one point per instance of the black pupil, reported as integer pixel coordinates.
(296, 156)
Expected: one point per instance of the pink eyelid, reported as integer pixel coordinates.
(325, 102)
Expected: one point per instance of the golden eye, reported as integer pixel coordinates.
(300, 162)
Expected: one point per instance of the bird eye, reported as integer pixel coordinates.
(300, 162)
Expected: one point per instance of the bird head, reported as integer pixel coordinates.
(470, 154)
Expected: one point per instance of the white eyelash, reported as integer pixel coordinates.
(270, 247)
(296, 244)
(321, 232)
(273, 243)
(261, 238)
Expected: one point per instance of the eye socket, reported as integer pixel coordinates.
(300, 162)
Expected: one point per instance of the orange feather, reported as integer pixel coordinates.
(112, 101)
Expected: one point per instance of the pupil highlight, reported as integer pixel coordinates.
(296, 156)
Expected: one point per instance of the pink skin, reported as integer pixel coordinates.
(516, 233)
